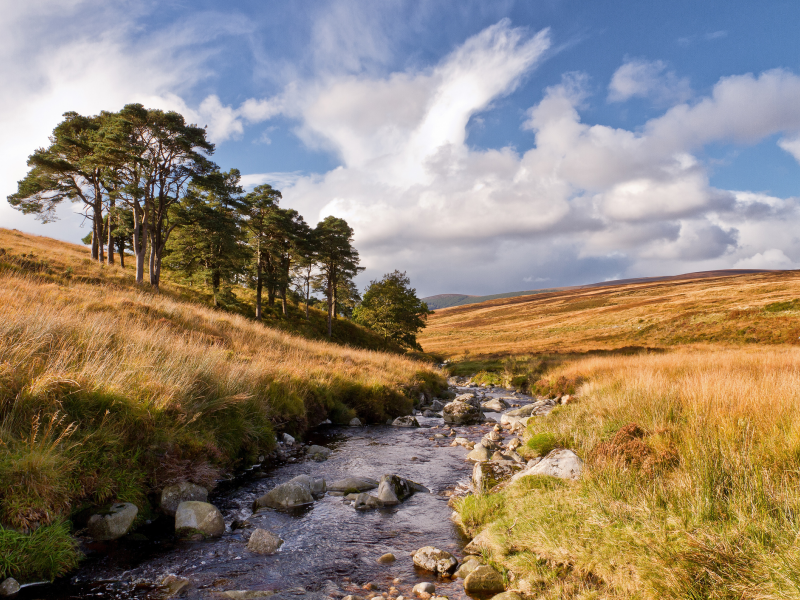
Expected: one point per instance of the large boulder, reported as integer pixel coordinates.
(479, 453)
(564, 464)
(352, 485)
(393, 489)
(468, 566)
(479, 544)
(468, 398)
(355, 422)
(437, 404)
(495, 405)
(406, 421)
(114, 522)
(318, 453)
(462, 413)
(484, 580)
(300, 491)
(264, 542)
(435, 560)
(172, 495)
(198, 517)
(486, 475)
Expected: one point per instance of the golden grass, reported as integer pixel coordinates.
(108, 391)
(718, 309)
(718, 518)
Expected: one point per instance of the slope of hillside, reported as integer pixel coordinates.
(109, 392)
(449, 300)
(745, 308)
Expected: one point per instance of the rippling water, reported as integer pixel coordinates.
(328, 545)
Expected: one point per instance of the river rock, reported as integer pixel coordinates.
(318, 453)
(300, 491)
(468, 566)
(366, 501)
(461, 413)
(172, 495)
(425, 587)
(198, 517)
(288, 440)
(264, 542)
(507, 596)
(431, 414)
(355, 422)
(387, 558)
(173, 585)
(393, 489)
(514, 443)
(9, 587)
(437, 404)
(479, 453)
(468, 398)
(495, 405)
(405, 421)
(435, 560)
(114, 522)
(462, 441)
(486, 475)
(353, 485)
(564, 464)
(484, 580)
(479, 544)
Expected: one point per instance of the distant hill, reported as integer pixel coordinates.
(449, 300)
(729, 307)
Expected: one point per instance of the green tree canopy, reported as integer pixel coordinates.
(391, 308)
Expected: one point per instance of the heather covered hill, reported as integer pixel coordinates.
(715, 307)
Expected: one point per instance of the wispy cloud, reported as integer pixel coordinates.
(648, 79)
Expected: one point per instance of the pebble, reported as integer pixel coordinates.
(387, 558)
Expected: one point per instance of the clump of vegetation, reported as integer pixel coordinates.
(539, 444)
(690, 482)
(775, 307)
(48, 552)
(560, 386)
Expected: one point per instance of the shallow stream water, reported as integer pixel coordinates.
(329, 547)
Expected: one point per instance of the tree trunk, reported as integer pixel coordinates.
(330, 307)
(308, 294)
(94, 240)
(110, 230)
(259, 286)
(140, 236)
(215, 281)
(121, 248)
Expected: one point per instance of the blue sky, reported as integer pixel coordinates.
(481, 146)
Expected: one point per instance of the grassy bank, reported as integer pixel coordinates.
(691, 485)
(109, 392)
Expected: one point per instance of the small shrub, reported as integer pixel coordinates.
(561, 386)
(540, 444)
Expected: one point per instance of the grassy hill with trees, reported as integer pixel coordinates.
(686, 415)
(110, 390)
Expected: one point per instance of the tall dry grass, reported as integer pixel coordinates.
(700, 500)
(108, 393)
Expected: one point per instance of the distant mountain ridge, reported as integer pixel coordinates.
(440, 301)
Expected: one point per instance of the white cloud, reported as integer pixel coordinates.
(792, 146)
(648, 79)
(774, 258)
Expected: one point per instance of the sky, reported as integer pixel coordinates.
(482, 147)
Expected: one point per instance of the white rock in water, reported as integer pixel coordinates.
(201, 517)
(264, 542)
(406, 421)
(172, 495)
(435, 560)
(287, 439)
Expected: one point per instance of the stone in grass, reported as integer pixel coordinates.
(355, 422)
(264, 542)
(387, 558)
(172, 495)
(484, 580)
(479, 453)
(9, 587)
(468, 566)
(194, 517)
(435, 560)
(112, 523)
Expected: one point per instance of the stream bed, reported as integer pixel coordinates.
(329, 549)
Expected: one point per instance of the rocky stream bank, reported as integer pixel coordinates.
(352, 513)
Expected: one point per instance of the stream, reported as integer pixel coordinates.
(329, 549)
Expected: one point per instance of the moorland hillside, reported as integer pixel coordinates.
(109, 391)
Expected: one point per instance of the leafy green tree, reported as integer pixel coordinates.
(337, 260)
(259, 208)
(391, 308)
(157, 157)
(208, 243)
(71, 168)
(304, 269)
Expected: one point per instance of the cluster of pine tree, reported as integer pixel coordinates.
(146, 183)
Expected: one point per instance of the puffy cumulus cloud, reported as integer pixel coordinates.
(648, 79)
(586, 202)
(774, 258)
